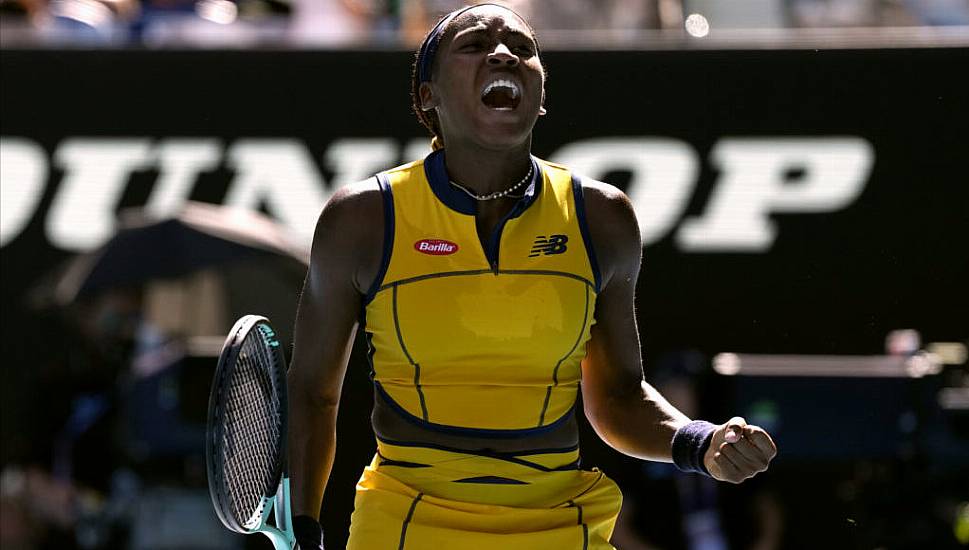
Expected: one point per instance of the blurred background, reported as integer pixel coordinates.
(798, 168)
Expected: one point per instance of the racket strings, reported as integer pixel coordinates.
(252, 434)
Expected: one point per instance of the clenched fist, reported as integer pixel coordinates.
(738, 451)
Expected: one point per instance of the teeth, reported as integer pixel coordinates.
(504, 83)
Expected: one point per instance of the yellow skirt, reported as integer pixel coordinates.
(420, 498)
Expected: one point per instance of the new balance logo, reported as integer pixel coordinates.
(553, 244)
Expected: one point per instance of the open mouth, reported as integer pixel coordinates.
(501, 95)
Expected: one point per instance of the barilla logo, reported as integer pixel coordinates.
(435, 247)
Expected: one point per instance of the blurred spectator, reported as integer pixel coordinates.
(562, 15)
(939, 12)
(95, 20)
(329, 22)
(30, 10)
(66, 468)
(108, 440)
(36, 511)
(852, 13)
(348, 23)
(86, 445)
(612, 15)
(739, 14)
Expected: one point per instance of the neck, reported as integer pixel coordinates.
(486, 171)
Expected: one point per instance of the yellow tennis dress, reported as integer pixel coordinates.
(476, 357)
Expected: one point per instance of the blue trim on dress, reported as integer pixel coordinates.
(435, 170)
(491, 480)
(584, 229)
(513, 457)
(474, 272)
(410, 515)
(389, 232)
(437, 177)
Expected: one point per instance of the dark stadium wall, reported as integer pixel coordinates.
(855, 158)
(791, 201)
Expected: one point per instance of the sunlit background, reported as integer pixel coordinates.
(798, 168)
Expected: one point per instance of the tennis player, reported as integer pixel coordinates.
(493, 286)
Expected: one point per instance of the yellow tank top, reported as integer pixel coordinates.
(472, 341)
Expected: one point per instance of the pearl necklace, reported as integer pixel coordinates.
(498, 194)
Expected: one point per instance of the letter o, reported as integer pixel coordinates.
(23, 178)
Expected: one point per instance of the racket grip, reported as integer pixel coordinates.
(284, 515)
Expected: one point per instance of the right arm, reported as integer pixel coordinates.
(345, 259)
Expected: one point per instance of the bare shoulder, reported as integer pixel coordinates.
(602, 191)
(350, 231)
(352, 201)
(614, 228)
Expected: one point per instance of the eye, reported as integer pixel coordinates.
(472, 46)
(521, 46)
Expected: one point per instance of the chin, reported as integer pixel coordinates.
(502, 142)
(504, 130)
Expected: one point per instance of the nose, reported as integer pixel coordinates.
(501, 55)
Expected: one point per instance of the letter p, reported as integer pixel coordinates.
(831, 173)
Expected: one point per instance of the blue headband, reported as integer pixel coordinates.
(425, 56)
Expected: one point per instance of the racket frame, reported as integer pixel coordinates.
(281, 535)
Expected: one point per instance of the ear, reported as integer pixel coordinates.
(541, 109)
(429, 99)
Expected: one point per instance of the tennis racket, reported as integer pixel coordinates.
(245, 439)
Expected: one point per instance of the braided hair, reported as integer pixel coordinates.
(427, 118)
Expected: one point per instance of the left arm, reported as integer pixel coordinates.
(627, 413)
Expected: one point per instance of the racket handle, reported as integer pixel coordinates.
(284, 516)
(281, 535)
